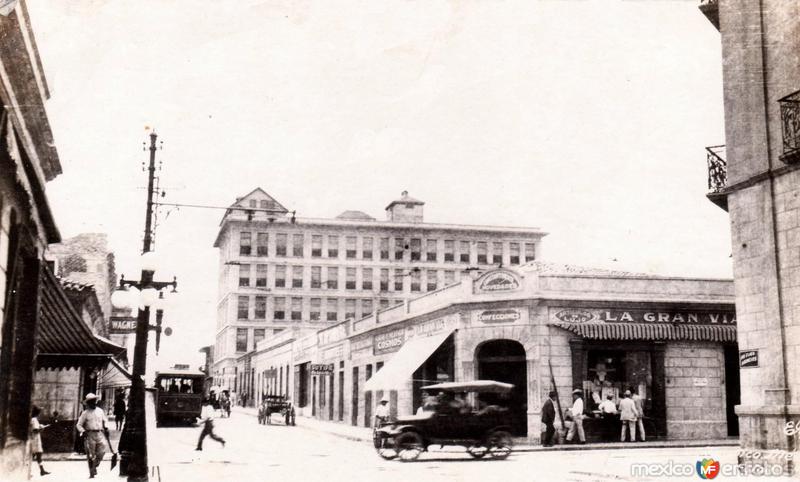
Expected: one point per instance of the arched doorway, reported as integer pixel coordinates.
(504, 361)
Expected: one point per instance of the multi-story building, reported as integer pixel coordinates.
(278, 271)
(756, 178)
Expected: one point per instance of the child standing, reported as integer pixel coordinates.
(36, 439)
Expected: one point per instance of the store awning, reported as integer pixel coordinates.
(63, 339)
(399, 369)
(655, 332)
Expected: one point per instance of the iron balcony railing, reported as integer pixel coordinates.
(717, 169)
(790, 122)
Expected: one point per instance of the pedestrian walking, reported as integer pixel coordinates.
(548, 419)
(577, 417)
(119, 410)
(382, 412)
(36, 439)
(637, 400)
(207, 418)
(627, 414)
(93, 429)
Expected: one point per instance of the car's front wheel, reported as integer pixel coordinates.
(409, 445)
(500, 444)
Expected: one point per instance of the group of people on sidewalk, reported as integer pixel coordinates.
(630, 411)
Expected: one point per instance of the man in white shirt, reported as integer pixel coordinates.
(382, 412)
(207, 418)
(577, 417)
(607, 406)
(92, 425)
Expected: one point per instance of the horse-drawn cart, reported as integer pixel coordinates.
(276, 404)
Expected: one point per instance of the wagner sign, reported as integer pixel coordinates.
(497, 281)
(499, 316)
(321, 368)
(388, 342)
(123, 325)
(681, 317)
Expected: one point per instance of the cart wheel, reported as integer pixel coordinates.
(408, 446)
(477, 451)
(500, 444)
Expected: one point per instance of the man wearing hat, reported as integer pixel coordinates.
(93, 429)
(382, 412)
(577, 417)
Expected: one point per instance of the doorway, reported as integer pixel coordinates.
(504, 361)
(733, 395)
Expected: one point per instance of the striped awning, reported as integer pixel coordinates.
(655, 331)
(63, 339)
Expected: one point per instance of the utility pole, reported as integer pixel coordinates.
(133, 441)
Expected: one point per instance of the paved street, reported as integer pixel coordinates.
(277, 452)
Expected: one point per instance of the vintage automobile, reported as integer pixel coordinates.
(276, 404)
(480, 432)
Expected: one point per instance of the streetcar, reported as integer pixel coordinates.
(179, 396)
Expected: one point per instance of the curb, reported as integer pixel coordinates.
(558, 448)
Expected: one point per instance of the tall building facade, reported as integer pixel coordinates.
(756, 179)
(279, 272)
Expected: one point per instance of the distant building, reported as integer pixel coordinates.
(278, 271)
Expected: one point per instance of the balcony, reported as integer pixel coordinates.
(717, 176)
(710, 8)
(790, 126)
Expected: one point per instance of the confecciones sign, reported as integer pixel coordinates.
(647, 316)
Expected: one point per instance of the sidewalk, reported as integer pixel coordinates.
(363, 434)
(65, 456)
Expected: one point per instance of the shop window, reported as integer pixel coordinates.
(384, 248)
(262, 244)
(243, 307)
(366, 279)
(281, 240)
(244, 275)
(297, 245)
(366, 248)
(245, 243)
(611, 372)
(261, 275)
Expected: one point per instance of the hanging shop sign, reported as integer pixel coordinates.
(748, 359)
(499, 316)
(497, 281)
(122, 325)
(322, 368)
(388, 342)
(574, 315)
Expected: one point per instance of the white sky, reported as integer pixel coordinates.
(588, 119)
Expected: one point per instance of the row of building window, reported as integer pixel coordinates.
(291, 308)
(388, 279)
(388, 248)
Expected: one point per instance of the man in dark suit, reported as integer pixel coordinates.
(548, 419)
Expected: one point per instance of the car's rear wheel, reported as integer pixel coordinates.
(500, 444)
(408, 445)
(477, 451)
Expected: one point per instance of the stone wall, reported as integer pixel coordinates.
(693, 411)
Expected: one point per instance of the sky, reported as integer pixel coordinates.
(587, 119)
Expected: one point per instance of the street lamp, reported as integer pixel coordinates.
(133, 441)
